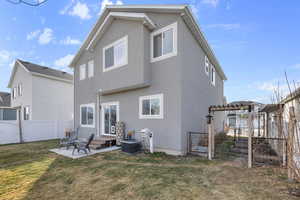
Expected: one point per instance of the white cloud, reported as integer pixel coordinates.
(70, 41)
(227, 27)
(295, 66)
(212, 3)
(46, 36)
(105, 3)
(12, 64)
(119, 2)
(33, 34)
(63, 62)
(4, 56)
(80, 10)
(66, 8)
(195, 10)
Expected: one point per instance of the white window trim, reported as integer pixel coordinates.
(91, 105)
(80, 72)
(213, 73)
(156, 96)
(174, 53)
(116, 103)
(91, 62)
(206, 64)
(125, 38)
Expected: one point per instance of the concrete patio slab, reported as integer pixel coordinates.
(68, 153)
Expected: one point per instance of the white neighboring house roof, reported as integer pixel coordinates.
(137, 12)
(42, 71)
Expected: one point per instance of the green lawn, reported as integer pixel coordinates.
(30, 171)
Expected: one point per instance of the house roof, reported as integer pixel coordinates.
(4, 99)
(135, 11)
(292, 96)
(245, 103)
(269, 108)
(40, 70)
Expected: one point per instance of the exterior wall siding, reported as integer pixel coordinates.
(52, 99)
(197, 91)
(181, 79)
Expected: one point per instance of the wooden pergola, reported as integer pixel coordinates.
(223, 108)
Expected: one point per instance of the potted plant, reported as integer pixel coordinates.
(130, 135)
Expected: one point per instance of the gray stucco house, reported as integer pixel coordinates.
(6, 112)
(149, 66)
(40, 92)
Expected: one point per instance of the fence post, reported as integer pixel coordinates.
(290, 143)
(20, 126)
(250, 130)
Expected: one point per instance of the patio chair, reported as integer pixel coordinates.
(68, 141)
(83, 146)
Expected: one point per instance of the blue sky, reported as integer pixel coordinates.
(255, 41)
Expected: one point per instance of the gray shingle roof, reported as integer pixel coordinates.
(4, 99)
(46, 70)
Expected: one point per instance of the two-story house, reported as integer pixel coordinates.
(149, 66)
(41, 93)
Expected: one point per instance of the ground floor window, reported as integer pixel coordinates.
(151, 107)
(87, 115)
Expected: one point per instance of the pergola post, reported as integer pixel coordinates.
(290, 143)
(258, 124)
(210, 137)
(250, 134)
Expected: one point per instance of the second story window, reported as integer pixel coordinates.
(116, 54)
(20, 89)
(26, 113)
(14, 93)
(213, 75)
(90, 68)
(164, 43)
(82, 71)
(206, 65)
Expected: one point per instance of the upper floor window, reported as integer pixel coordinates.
(151, 107)
(164, 43)
(14, 93)
(82, 71)
(206, 65)
(20, 89)
(116, 54)
(87, 115)
(26, 113)
(90, 68)
(213, 75)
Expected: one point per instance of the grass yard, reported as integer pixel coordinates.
(31, 172)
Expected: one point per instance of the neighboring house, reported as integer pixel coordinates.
(149, 66)
(239, 119)
(41, 93)
(6, 112)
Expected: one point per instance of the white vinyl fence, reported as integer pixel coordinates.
(33, 130)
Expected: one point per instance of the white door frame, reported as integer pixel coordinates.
(116, 103)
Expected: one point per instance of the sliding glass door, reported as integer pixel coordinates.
(109, 118)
